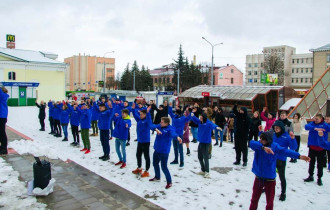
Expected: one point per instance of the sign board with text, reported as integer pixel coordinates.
(205, 93)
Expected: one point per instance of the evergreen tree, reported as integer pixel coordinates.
(126, 79)
(135, 68)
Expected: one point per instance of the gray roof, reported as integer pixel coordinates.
(320, 49)
(28, 56)
(246, 93)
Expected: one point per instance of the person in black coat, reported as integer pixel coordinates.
(161, 112)
(242, 134)
(42, 114)
(254, 126)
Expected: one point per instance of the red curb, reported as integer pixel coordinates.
(19, 133)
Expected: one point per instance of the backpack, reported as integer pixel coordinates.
(231, 123)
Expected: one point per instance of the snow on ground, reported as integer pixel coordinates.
(13, 193)
(230, 187)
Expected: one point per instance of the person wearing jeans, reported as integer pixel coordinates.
(121, 150)
(162, 146)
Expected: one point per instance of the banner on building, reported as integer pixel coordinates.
(101, 83)
(269, 78)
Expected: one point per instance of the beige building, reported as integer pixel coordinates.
(321, 58)
(86, 72)
(297, 67)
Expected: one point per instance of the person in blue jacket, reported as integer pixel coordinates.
(205, 128)
(75, 121)
(85, 125)
(104, 113)
(287, 141)
(162, 146)
(144, 123)
(316, 152)
(122, 124)
(264, 167)
(125, 105)
(3, 120)
(50, 116)
(178, 121)
(95, 118)
(56, 116)
(64, 118)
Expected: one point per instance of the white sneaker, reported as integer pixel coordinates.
(201, 173)
(207, 175)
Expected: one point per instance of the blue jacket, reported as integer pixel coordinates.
(64, 115)
(56, 112)
(283, 139)
(104, 117)
(264, 165)
(120, 131)
(163, 142)
(324, 143)
(313, 134)
(95, 113)
(143, 127)
(50, 109)
(178, 121)
(204, 130)
(75, 115)
(85, 119)
(3, 104)
(116, 108)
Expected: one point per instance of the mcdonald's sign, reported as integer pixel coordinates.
(10, 38)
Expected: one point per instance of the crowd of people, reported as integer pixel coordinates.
(279, 139)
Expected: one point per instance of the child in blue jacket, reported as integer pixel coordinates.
(264, 167)
(75, 121)
(56, 117)
(85, 125)
(95, 118)
(104, 112)
(64, 119)
(205, 128)
(144, 123)
(178, 121)
(162, 146)
(122, 124)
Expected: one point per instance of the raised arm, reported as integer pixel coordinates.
(310, 126)
(235, 110)
(136, 115)
(170, 111)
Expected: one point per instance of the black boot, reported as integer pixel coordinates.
(237, 163)
(174, 162)
(65, 139)
(105, 158)
(102, 157)
(210, 156)
(220, 144)
(282, 197)
(245, 164)
(309, 179)
(188, 151)
(319, 182)
(216, 144)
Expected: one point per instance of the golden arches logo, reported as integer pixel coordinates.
(10, 38)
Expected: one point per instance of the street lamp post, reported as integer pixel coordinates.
(212, 45)
(104, 69)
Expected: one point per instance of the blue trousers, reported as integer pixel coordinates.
(65, 130)
(178, 148)
(162, 158)
(104, 138)
(121, 154)
(216, 133)
(194, 131)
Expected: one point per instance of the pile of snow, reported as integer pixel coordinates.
(230, 187)
(13, 193)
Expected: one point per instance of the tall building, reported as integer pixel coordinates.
(297, 67)
(86, 72)
(321, 57)
(29, 75)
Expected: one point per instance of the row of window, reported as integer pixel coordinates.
(296, 80)
(253, 80)
(302, 60)
(162, 80)
(301, 70)
(255, 65)
(254, 73)
(11, 75)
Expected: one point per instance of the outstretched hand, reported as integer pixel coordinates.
(116, 114)
(320, 132)
(148, 109)
(133, 106)
(260, 128)
(158, 132)
(305, 158)
(268, 150)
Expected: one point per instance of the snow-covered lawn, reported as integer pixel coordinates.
(230, 187)
(13, 193)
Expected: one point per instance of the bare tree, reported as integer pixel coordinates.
(274, 64)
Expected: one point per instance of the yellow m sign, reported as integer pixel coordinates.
(10, 38)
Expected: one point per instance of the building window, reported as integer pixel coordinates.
(232, 80)
(250, 65)
(292, 81)
(292, 60)
(255, 80)
(221, 75)
(302, 60)
(109, 70)
(311, 80)
(261, 64)
(311, 70)
(306, 60)
(292, 70)
(301, 80)
(155, 80)
(249, 73)
(173, 80)
(255, 65)
(297, 70)
(306, 80)
(297, 60)
(232, 71)
(302, 70)
(168, 80)
(328, 58)
(297, 80)
(306, 70)
(11, 75)
(255, 72)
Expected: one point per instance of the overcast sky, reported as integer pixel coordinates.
(151, 31)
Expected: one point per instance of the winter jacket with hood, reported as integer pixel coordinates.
(178, 121)
(120, 131)
(269, 122)
(264, 165)
(313, 134)
(283, 139)
(242, 124)
(204, 129)
(143, 126)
